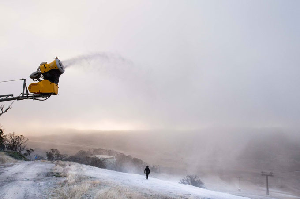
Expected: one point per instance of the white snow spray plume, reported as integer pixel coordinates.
(104, 58)
(113, 65)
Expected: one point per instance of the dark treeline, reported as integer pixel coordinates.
(104, 158)
(14, 145)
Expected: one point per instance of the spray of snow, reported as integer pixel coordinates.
(104, 63)
(104, 58)
(133, 78)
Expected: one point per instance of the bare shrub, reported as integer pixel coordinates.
(128, 164)
(15, 142)
(28, 152)
(2, 146)
(193, 180)
(4, 110)
(85, 157)
(54, 154)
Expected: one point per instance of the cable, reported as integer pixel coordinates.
(11, 80)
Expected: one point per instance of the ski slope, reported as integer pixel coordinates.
(153, 186)
(40, 179)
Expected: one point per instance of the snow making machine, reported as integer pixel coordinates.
(47, 77)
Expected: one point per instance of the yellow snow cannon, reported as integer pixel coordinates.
(50, 74)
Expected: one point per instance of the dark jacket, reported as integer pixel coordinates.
(147, 170)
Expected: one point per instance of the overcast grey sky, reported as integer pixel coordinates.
(169, 64)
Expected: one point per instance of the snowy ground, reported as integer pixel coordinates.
(70, 180)
(24, 180)
(43, 179)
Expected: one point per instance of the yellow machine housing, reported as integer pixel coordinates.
(56, 64)
(44, 86)
(50, 73)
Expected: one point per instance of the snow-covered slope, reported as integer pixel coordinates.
(71, 180)
(153, 186)
(24, 180)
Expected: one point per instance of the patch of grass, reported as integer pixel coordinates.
(55, 174)
(72, 190)
(71, 184)
(16, 155)
(117, 192)
(6, 159)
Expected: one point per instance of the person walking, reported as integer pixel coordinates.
(147, 171)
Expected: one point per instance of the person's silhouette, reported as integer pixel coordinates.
(147, 171)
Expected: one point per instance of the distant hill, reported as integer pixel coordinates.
(224, 154)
